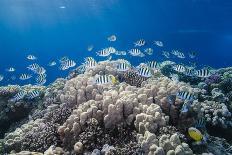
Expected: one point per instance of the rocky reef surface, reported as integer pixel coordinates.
(132, 117)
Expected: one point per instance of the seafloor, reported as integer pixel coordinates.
(132, 117)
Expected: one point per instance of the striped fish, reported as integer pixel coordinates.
(189, 72)
(123, 66)
(41, 79)
(203, 73)
(31, 57)
(33, 94)
(180, 55)
(25, 76)
(19, 96)
(187, 96)
(140, 43)
(145, 72)
(11, 69)
(136, 52)
(158, 43)
(153, 64)
(105, 79)
(39, 70)
(166, 54)
(106, 52)
(179, 68)
(33, 67)
(67, 64)
(90, 63)
(149, 51)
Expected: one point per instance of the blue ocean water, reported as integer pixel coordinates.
(49, 31)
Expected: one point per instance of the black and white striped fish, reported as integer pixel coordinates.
(31, 57)
(179, 68)
(39, 70)
(203, 73)
(184, 95)
(11, 69)
(91, 63)
(105, 79)
(19, 96)
(140, 43)
(153, 64)
(159, 43)
(33, 67)
(145, 72)
(123, 66)
(33, 94)
(67, 64)
(25, 76)
(180, 55)
(189, 71)
(136, 52)
(149, 51)
(106, 52)
(41, 79)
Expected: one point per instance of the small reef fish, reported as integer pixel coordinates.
(25, 77)
(166, 54)
(39, 70)
(203, 73)
(106, 52)
(33, 67)
(136, 52)
(189, 71)
(90, 48)
(112, 38)
(63, 59)
(167, 63)
(186, 96)
(149, 51)
(120, 53)
(195, 134)
(31, 57)
(105, 79)
(179, 68)
(90, 63)
(153, 65)
(20, 95)
(192, 55)
(178, 54)
(1, 77)
(52, 63)
(123, 66)
(158, 43)
(33, 94)
(41, 79)
(145, 72)
(11, 69)
(67, 64)
(140, 43)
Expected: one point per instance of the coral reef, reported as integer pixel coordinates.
(134, 116)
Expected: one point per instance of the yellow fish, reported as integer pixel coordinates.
(195, 134)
